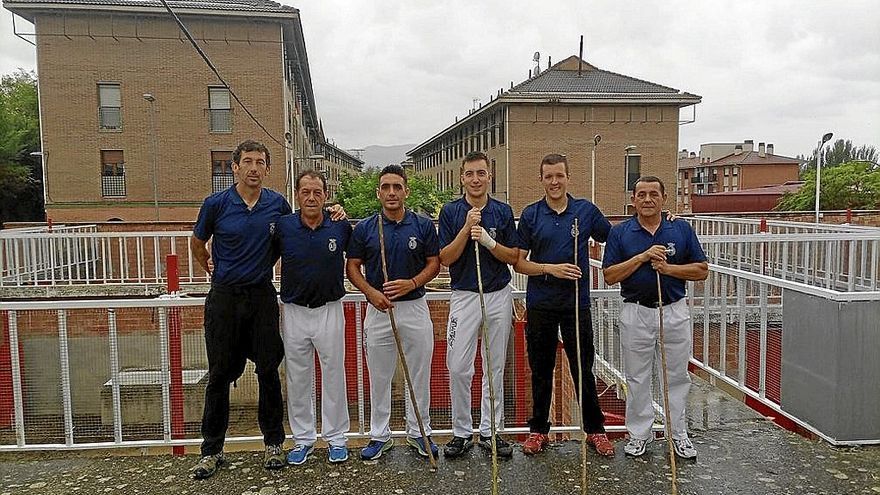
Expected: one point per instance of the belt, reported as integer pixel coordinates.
(652, 304)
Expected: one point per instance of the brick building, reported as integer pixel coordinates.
(335, 163)
(135, 126)
(559, 111)
(728, 167)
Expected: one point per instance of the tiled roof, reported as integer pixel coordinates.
(752, 158)
(779, 189)
(264, 6)
(590, 81)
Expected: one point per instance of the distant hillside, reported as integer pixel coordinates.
(379, 156)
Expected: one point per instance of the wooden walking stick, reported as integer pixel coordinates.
(412, 393)
(484, 334)
(575, 232)
(667, 422)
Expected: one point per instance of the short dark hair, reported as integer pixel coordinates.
(314, 174)
(474, 156)
(393, 169)
(650, 178)
(249, 145)
(553, 159)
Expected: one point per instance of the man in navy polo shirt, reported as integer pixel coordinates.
(241, 310)
(546, 233)
(636, 251)
(412, 258)
(312, 286)
(476, 217)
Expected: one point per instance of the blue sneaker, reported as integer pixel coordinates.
(375, 449)
(419, 444)
(299, 454)
(338, 453)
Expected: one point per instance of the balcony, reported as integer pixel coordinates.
(220, 120)
(113, 186)
(110, 118)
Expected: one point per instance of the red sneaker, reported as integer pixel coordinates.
(602, 444)
(535, 443)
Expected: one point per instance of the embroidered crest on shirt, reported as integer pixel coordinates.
(331, 245)
(272, 228)
(492, 232)
(574, 230)
(670, 249)
(412, 243)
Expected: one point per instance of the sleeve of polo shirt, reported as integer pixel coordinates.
(506, 235)
(524, 231)
(695, 248)
(285, 207)
(346, 233)
(432, 244)
(612, 249)
(600, 226)
(356, 243)
(204, 227)
(446, 230)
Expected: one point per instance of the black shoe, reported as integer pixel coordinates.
(457, 446)
(503, 448)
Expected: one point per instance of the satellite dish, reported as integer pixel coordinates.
(536, 57)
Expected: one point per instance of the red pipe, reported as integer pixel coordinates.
(175, 357)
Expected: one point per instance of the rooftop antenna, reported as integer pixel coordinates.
(537, 59)
(581, 56)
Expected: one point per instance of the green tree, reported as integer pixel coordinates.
(842, 151)
(21, 196)
(855, 184)
(357, 194)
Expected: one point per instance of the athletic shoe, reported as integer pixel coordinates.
(207, 466)
(419, 444)
(684, 448)
(601, 443)
(338, 453)
(636, 447)
(375, 449)
(502, 447)
(457, 446)
(299, 454)
(535, 443)
(274, 458)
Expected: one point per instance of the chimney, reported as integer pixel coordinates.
(693, 154)
(738, 150)
(769, 148)
(761, 150)
(748, 145)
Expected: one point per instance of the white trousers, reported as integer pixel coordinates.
(639, 336)
(462, 340)
(304, 331)
(417, 338)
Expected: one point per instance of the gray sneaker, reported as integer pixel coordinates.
(636, 447)
(275, 458)
(684, 448)
(207, 466)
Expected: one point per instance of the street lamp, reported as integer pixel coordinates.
(627, 149)
(596, 140)
(827, 137)
(151, 99)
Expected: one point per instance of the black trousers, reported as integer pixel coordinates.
(242, 324)
(542, 330)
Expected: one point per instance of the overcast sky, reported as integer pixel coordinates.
(779, 71)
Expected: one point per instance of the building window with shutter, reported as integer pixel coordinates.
(112, 174)
(633, 170)
(221, 171)
(109, 107)
(220, 110)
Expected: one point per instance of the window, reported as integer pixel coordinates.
(112, 174)
(633, 170)
(221, 170)
(109, 107)
(220, 110)
(493, 175)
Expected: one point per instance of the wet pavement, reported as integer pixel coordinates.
(739, 453)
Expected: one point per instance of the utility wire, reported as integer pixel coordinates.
(216, 72)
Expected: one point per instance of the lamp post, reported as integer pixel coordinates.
(151, 99)
(627, 149)
(827, 137)
(596, 140)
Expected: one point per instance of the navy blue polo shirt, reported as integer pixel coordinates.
(548, 236)
(497, 219)
(242, 250)
(312, 261)
(408, 245)
(629, 238)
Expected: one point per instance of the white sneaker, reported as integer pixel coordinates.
(636, 447)
(684, 448)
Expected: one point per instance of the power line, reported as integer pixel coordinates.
(216, 72)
